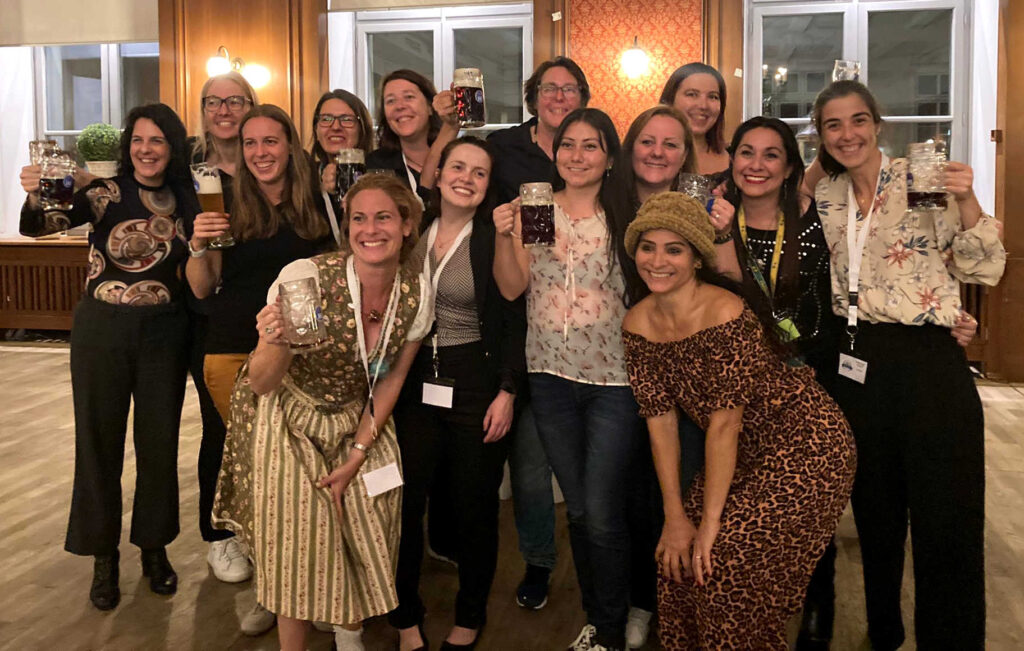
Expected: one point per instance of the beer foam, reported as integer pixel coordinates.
(208, 185)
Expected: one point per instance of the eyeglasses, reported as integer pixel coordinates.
(550, 90)
(235, 103)
(347, 120)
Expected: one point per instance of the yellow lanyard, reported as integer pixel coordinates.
(773, 268)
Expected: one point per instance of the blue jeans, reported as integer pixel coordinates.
(592, 435)
(532, 496)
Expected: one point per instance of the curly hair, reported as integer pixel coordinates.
(409, 207)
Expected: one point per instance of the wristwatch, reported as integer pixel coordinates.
(195, 253)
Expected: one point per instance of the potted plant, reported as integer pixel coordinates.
(99, 144)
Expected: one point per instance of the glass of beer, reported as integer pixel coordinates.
(468, 86)
(351, 165)
(57, 182)
(537, 214)
(39, 149)
(846, 70)
(926, 168)
(211, 198)
(303, 318)
(698, 187)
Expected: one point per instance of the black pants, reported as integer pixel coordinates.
(431, 438)
(211, 447)
(919, 429)
(121, 353)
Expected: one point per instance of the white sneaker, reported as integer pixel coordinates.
(258, 621)
(585, 640)
(228, 562)
(347, 640)
(638, 626)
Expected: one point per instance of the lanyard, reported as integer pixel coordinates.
(332, 218)
(755, 267)
(413, 183)
(855, 241)
(435, 277)
(355, 289)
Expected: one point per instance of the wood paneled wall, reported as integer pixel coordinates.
(723, 49)
(289, 37)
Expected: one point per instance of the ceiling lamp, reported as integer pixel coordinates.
(635, 62)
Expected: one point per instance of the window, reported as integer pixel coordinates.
(912, 52)
(497, 39)
(78, 85)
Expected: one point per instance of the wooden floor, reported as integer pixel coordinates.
(44, 590)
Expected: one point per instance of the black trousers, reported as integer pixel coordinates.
(919, 429)
(211, 446)
(432, 438)
(120, 354)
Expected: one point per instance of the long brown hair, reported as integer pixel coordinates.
(204, 143)
(836, 90)
(715, 137)
(252, 215)
(625, 179)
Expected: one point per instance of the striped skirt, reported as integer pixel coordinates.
(311, 563)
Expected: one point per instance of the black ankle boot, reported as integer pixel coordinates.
(105, 593)
(162, 579)
(816, 627)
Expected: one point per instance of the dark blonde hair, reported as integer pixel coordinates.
(626, 180)
(409, 207)
(204, 143)
(252, 215)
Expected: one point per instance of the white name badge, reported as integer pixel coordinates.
(853, 368)
(382, 480)
(439, 392)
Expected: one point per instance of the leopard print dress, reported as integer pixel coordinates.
(795, 463)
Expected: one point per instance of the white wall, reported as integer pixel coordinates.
(984, 64)
(341, 46)
(17, 106)
(56, 22)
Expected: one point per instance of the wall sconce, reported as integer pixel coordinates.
(635, 62)
(254, 73)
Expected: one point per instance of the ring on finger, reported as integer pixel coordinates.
(269, 330)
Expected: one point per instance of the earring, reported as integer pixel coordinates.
(698, 264)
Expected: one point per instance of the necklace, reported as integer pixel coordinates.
(373, 316)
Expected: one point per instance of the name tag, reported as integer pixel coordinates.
(439, 392)
(852, 368)
(382, 480)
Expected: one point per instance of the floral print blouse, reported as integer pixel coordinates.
(574, 305)
(913, 261)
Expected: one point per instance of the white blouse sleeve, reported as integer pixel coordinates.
(424, 320)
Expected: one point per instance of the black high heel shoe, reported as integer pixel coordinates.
(105, 593)
(449, 646)
(162, 579)
(423, 636)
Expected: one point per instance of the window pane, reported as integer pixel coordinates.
(390, 51)
(498, 53)
(74, 95)
(140, 75)
(896, 135)
(798, 55)
(909, 59)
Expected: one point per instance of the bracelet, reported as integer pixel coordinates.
(195, 253)
(359, 446)
(723, 238)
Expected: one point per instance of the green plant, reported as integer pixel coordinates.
(99, 142)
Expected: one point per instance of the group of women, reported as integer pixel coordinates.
(796, 338)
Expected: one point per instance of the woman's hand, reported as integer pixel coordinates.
(498, 418)
(959, 181)
(722, 213)
(705, 539)
(339, 480)
(965, 328)
(30, 175)
(270, 324)
(329, 179)
(444, 106)
(506, 218)
(673, 551)
(207, 226)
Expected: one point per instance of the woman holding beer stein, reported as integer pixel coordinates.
(311, 470)
(697, 90)
(128, 343)
(342, 136)
(566, 253)
(903, 382)
(406, 127)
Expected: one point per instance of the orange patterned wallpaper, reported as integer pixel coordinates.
(601, 30)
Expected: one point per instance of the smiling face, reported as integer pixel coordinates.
(659, 152)
(700, 100)
(848, 131)
(222, 123)
(150, 152)
(265, 151)
(759, 166)
(581, 158)
(464, 177)
(552, 109)
(665, 260)
(376, 230)
(337, 136)
(406, 109)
